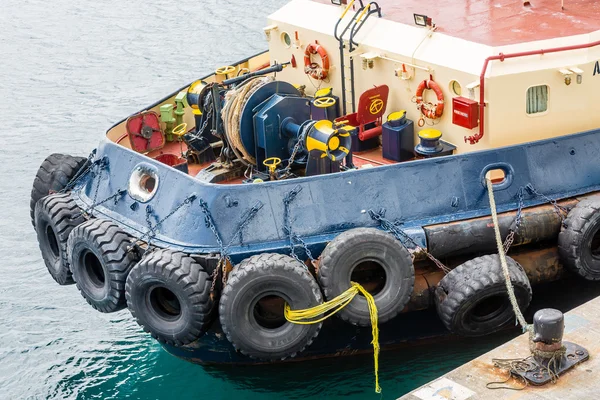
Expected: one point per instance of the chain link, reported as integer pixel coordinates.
(116, 197)
(102, 164)
(294, 239)
(403, 237)
(510, 238)
(83, 171)
(297, 146)
(152, 230)
(224, 257)
(560, 210)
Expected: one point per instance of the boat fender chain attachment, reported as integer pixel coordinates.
(323, 311)
(294, 239)
(313, 69)
(153, 229)
(224, 258)
(115, 197)
(403, 237)
(82, 172)
(98, 168)
(430, 110)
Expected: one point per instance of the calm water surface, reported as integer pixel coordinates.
(70, 70)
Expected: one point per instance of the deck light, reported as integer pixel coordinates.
(422, 20)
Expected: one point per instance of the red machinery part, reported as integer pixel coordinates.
(476, 138)
(465, 112)
(144, 131)
(370, 133)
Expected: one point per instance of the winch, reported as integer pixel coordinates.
(267, 126)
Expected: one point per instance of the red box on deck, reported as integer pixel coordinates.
(465, 112)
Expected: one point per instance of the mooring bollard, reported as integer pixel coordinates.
(548, 329)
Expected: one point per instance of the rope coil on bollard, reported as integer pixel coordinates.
(327, 309)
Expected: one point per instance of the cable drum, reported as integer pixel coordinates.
(235, 102)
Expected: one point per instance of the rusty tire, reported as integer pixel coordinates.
(255, 327)
(579, 239)
(472, 300)
(370, 253)
(54, 174)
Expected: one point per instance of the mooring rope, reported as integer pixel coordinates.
(519, 366)
(509, 287)
(235, 101)
(323, 311)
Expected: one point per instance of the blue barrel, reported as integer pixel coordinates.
(397, 137)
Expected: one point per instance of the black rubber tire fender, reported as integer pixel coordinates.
(579, 239)
(478, 286)
(255, 278)
(56, 216)
(100, 260)
(53, 175)
(168, 293)
(355, 247)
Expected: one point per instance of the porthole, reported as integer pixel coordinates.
(286, 39)
(143, 184)
(455, 87)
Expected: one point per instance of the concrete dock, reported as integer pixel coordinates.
(582, 382)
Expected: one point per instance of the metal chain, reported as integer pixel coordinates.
(224, 257)
(116, 197)
(557, 207)
(294, 239)
(152, 230)
(296, 148)
(101, 166)
(510, 238)
(208, 115)
(83, 171)
(403, 237)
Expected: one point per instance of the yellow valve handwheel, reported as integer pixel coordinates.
(272, 163)
(224, 70)
(180, 130)
(324, 102)
(376, 106)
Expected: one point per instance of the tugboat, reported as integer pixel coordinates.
(363, 146)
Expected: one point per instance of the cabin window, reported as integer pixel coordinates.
(286, 39)
(537, 99)
(455, 87)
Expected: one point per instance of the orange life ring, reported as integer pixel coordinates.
(313, 69)
(429, 110)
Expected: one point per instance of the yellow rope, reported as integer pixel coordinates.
(323, 311)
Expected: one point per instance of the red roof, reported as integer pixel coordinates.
(498, 22)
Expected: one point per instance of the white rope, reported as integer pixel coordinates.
(509, 287)
(235, 101)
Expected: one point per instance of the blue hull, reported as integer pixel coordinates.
(415, 193)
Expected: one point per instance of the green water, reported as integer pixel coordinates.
(69, 70)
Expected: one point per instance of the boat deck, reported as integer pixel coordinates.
(364, 159)
(499, 22)
(468, 382)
